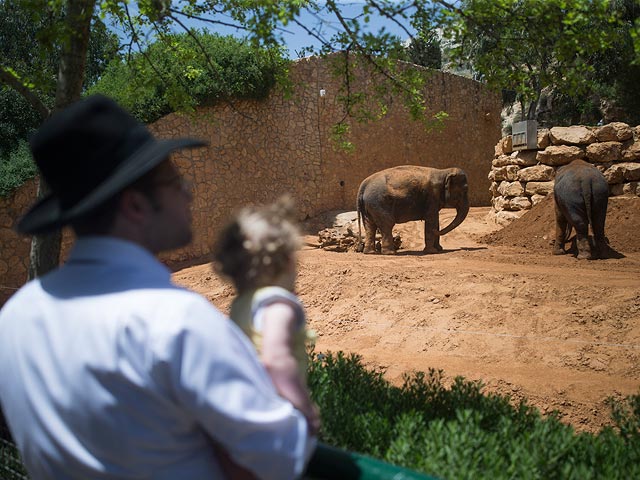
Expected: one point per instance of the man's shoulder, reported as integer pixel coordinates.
(172, 300)
(25, 295)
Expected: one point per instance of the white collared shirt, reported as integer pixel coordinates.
(108, 370)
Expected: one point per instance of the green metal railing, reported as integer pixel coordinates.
(330, 463)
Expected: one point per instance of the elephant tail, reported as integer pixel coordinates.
(360, 208)
(588, 203)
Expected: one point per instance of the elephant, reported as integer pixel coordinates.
(410, 192)
(581, 196)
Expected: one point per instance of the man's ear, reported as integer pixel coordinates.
(134, 205)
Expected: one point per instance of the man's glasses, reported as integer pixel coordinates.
(177, 182)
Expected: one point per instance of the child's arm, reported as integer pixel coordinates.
(278, 330)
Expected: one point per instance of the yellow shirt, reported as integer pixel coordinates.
(246, 313)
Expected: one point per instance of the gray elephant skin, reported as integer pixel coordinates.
(581, 196)
(407, 193)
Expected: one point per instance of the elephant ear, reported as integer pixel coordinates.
(447, 187)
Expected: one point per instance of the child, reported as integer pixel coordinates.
(257, 250)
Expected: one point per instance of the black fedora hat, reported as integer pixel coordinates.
(87, 153)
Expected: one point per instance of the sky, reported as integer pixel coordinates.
(296, 37)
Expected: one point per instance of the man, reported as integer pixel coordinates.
(109, 370)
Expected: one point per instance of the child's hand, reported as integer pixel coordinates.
(313, 419)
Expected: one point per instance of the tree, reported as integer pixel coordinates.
(26, 48)
(426, 50)
(529, 45)
(48, 78)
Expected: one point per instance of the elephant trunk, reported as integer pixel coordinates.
(461, 214)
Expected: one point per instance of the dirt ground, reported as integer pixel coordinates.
(495, 306)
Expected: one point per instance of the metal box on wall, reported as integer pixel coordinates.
(524, 135)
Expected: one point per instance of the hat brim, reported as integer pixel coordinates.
(47, 214)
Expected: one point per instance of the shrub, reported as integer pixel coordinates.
(459, 432)
(182, 71)
(15, 168)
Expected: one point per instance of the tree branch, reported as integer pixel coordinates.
(9, 79)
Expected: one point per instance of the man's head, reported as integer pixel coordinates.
(95, 157)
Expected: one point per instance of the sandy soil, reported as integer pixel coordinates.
(495, 306)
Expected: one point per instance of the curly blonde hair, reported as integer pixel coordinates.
(257, 245)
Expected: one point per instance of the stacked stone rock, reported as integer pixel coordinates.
(521, 179)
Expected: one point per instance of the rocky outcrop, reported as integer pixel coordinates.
(520, 179)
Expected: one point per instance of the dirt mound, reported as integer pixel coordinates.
(535, 230)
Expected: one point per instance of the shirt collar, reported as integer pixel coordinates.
(115, 252)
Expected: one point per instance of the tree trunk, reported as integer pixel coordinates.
(45, 249)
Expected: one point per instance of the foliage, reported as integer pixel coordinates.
(426, 50)
(15, 168)
(11, 467)
(626, 415)
(530, 45)
(457, 431)
(181, 71)
(31, 51)
(17, 120)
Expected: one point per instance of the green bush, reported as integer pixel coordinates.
(459, 432)
(181, 71)
(15, 168)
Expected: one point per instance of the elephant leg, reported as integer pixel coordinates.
(431, 233)
(584, 247)
(561, 232)
(601, 245)
(388, 247)
(582, 238)
(369, 237)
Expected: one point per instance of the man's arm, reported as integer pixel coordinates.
(221, 382)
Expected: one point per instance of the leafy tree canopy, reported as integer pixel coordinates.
(529, 45)
(186, 69)
(30, 57)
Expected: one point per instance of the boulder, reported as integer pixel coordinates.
(574, 135)
(538, 188)
(504, 217)
(631, 151)
(614, 132)
(520, 203)
(543, 138)
(614, 174)
(509, 172)
(556, 155)
(510, 189)
(504, 146)
(536, 199)
(537, 173)
(603, 152)
(501, 161)
(631, 188)
(521, 158)
(631, 171)
(499, 203)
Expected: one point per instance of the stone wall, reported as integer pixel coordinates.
(261, 149)
(520, 179)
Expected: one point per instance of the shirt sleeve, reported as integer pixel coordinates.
(270, 296)
(217, 376)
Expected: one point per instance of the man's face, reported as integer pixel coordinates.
(169, 225)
